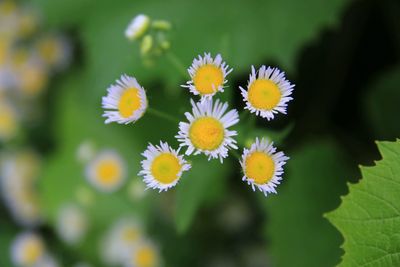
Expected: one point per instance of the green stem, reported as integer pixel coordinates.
(235, 154)
(162, 115)
(177, 63)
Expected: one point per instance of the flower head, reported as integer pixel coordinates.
(54, 51)
(207, 130)
(72, 223)
(119, 240)
(106, 171)
(208, 76)
(267, 94)
(27, 249)
(125, 102)
(163, 166)
(137, 27)
(263, 166)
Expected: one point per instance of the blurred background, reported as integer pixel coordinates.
(57, 59)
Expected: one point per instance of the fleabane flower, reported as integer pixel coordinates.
(163, 166)
(263, 166)
(208, 76)
(137, 27)
(106, 171)
(72, 224)
(119, 240)
(207, 130)
(267, 94)
(27, 249)
(125, 102)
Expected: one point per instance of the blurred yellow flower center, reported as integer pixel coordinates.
(206, 133)
(129, 102)
(7, 7)
(8, 124)
(264, 94)
(130, 234)
(260, 167)
(108, 172)
(34, 80)
(32, 252)
(165, 168)
(49, 50)
(145, 257)
(208, 78)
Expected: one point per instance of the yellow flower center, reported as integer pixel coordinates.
(8, 124)
(108, 172)
(34, 80)
(208, 78)
(264, 94)
(165, 168)
(260, 167)
(207, 133)
(32, 252)
(7, 7)
(145, 257)
(49, 50)
(130, 234)
(129, 102)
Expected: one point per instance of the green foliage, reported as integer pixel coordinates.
(369, 216)
(382, 105)
(203, 183)
(314, 180)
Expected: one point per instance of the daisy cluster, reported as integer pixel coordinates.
(29, 57)
(208, 126)
(126, 244)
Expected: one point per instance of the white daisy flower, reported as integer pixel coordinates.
(119, 240)
(137, 27)
(208, 76)
(144, 254)
(268, 94)
(27, 249)
(72, 224)
(106, 171)
(263, 166)
(207, 130)
(163, 167)
(125, 102)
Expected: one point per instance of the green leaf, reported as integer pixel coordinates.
(369, 216)
(312, 183)
(382, 105)
(204, 182)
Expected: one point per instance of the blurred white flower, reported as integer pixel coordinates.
(72, 223)
(27, 249)
(119, 240)
(106, 171)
